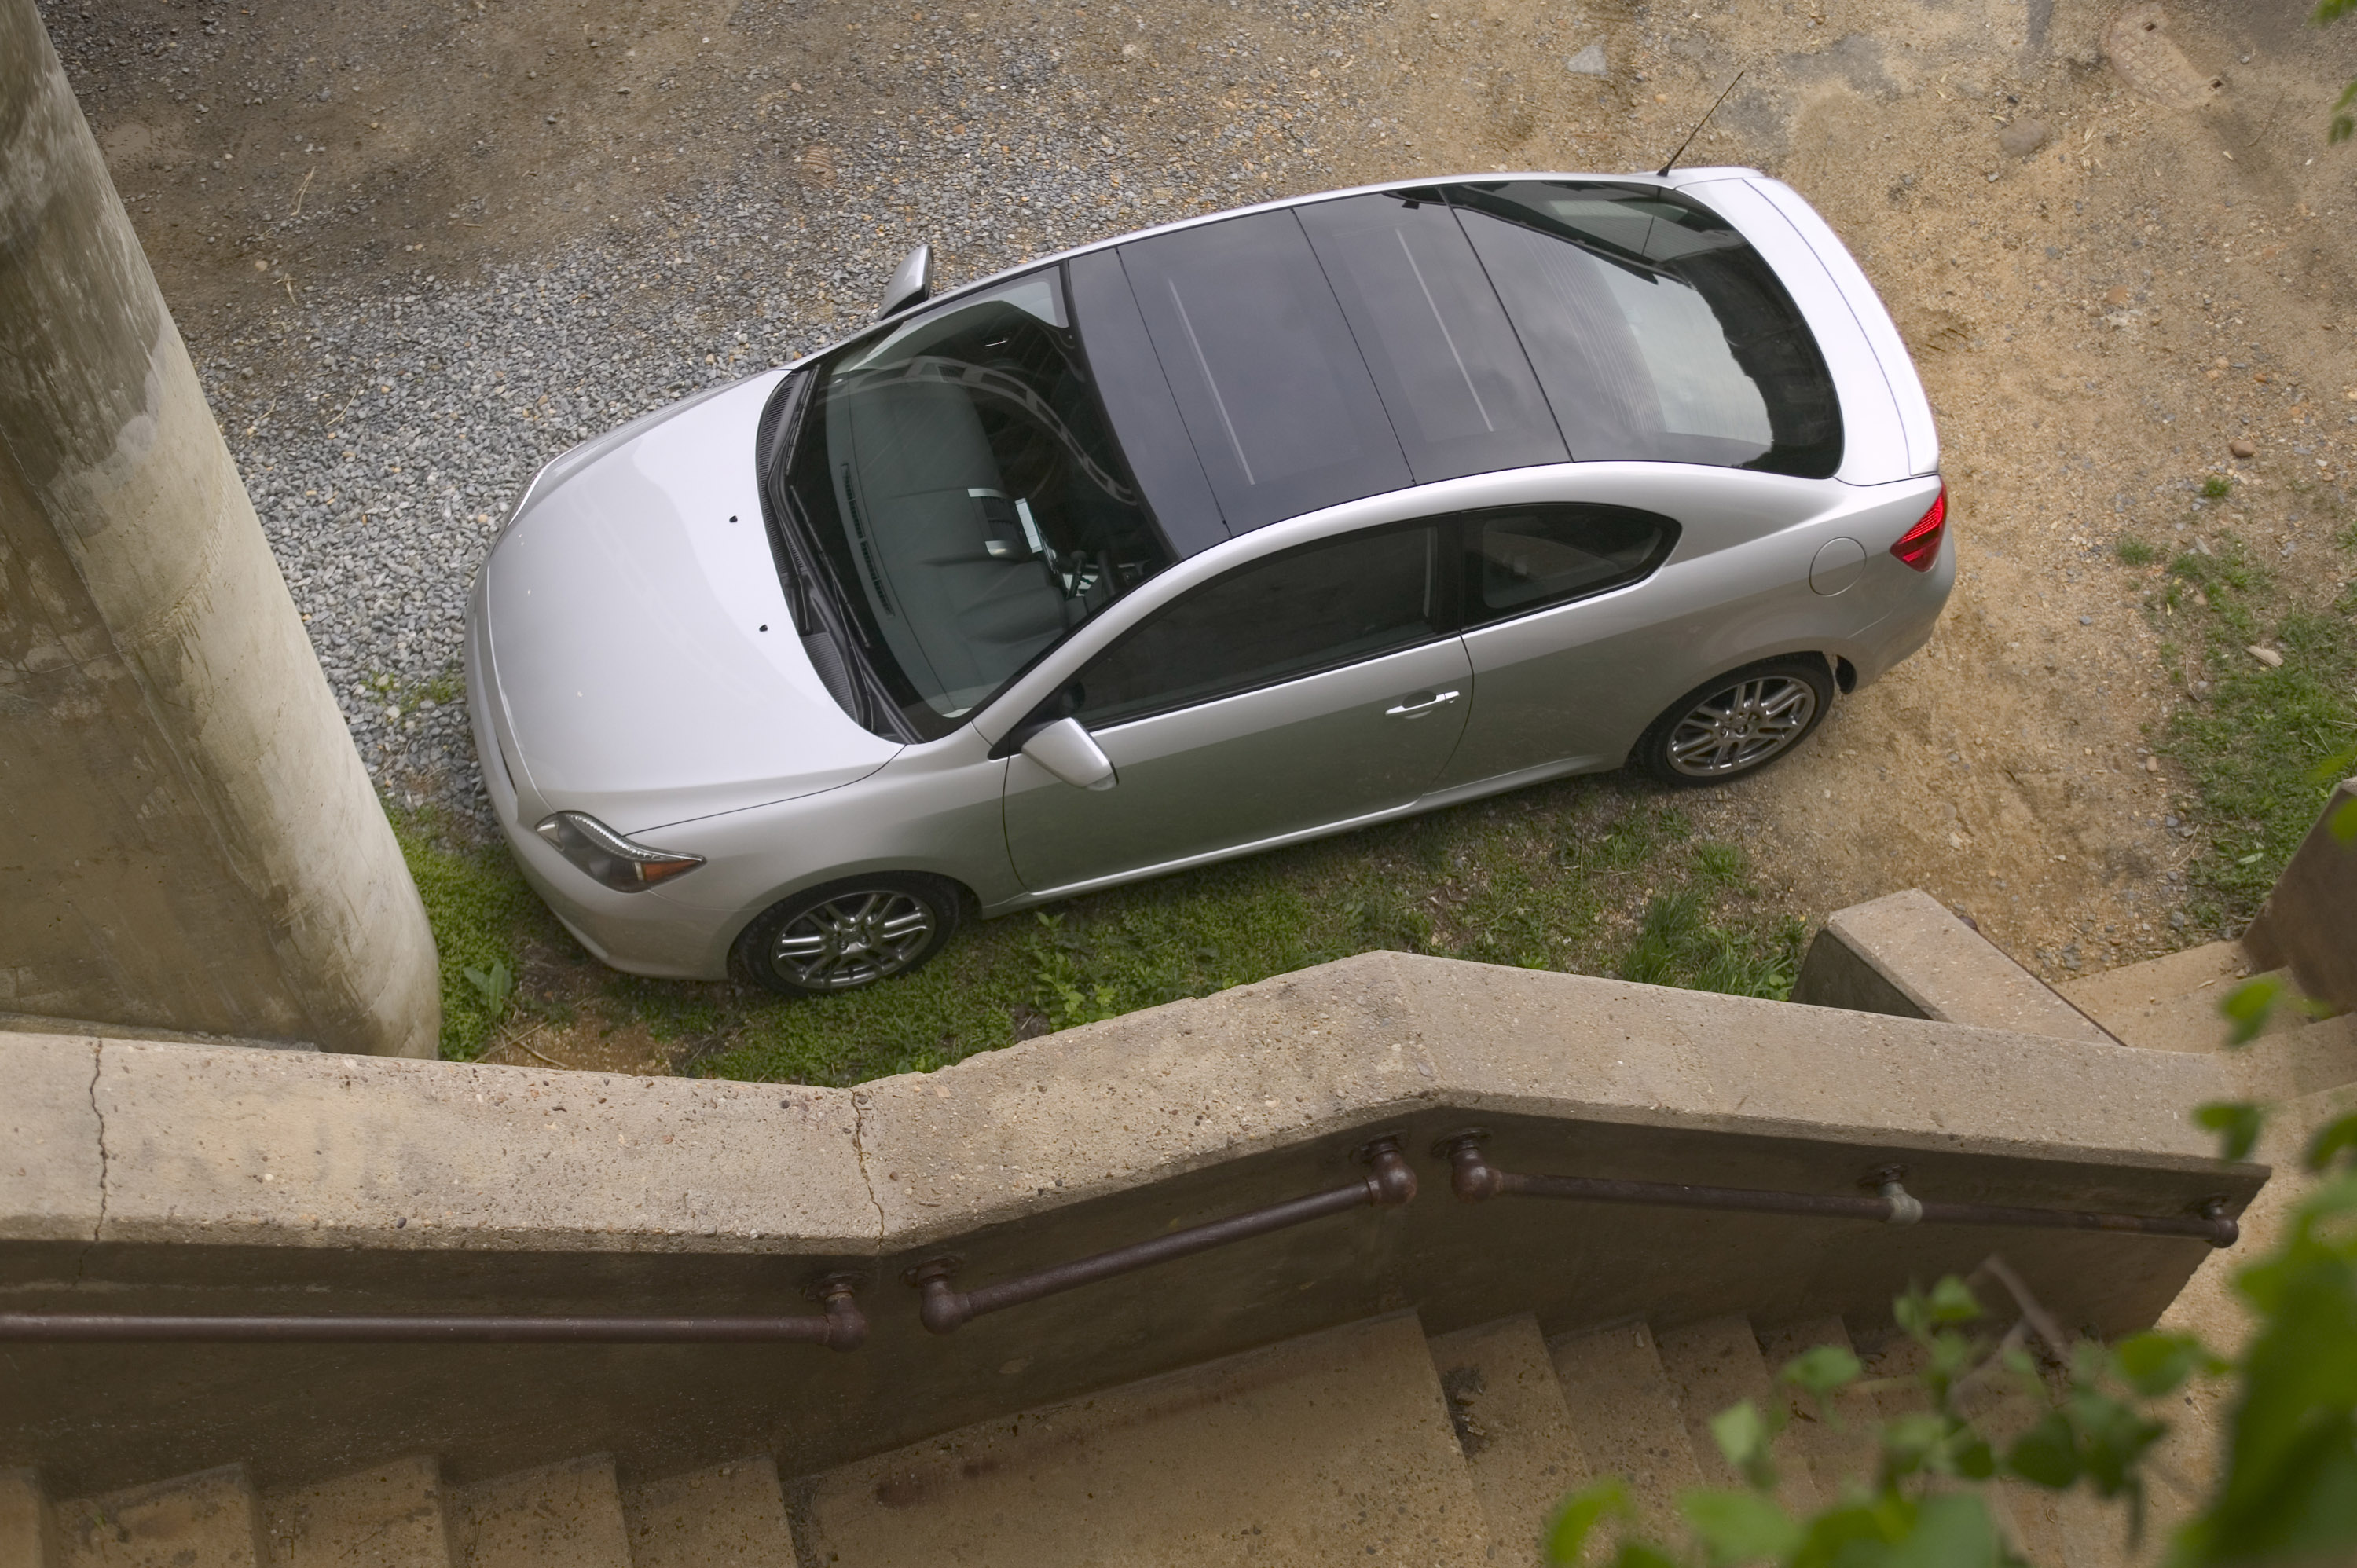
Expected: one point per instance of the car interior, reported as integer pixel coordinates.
(984, 501)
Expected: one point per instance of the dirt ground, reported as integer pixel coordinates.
(2115, 239)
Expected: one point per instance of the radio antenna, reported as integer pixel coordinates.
(1665, 169)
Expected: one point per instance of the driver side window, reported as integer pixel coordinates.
(1326, 605)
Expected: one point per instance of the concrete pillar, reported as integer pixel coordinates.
(187, 838)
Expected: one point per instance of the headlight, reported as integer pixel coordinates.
(610, 858)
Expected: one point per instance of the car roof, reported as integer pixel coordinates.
(1675, 180)
(1263, 361)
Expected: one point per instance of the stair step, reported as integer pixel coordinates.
(2066, 1529)
(731, 1513)
(1330, 1447)
(28, 1525)
(208, 1520)
(389, 1516)
(2210, 1307)
(1716, 1364)
(1513, 1429)
(1627, 1414)
(2167, 1003)
(2295, 1061)
(567, 1515)
(1836, 1439)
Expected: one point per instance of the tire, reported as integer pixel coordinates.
(849, 934)
(1733, 726)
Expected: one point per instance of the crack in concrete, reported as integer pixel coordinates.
(98, 1226)
(859, 1153)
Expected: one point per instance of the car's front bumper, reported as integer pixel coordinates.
(638, 933)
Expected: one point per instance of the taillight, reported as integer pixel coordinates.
(1920, 545)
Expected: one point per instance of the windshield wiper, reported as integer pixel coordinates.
(812, 568)
(773, 450)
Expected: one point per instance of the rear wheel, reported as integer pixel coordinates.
(849, 934)
(1738, 723)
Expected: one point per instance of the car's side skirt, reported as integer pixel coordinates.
(1438, 801)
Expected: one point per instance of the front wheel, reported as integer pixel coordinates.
(848, 934)
(1738, 723)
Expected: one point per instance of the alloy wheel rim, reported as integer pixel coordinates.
(854, 939)
(1742, 726)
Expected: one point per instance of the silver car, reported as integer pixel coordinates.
(1192, 543)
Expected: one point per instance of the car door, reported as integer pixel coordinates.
(1562, 634)
(1305, 688)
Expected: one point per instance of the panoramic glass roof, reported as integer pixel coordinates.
(1317, 354)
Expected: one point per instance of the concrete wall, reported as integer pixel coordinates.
(1908, 957)
(185, 1178)
(2309, 920)
(190, 839)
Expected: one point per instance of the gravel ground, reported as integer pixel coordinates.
(438, 401)
(384, 431)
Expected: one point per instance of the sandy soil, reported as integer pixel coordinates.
(2097, 310)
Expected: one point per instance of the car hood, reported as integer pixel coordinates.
(644, 661)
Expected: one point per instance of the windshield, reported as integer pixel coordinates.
(961, 479)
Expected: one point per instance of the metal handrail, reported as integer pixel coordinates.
(1475, 1180)
(841, 1327)
(944, 1310)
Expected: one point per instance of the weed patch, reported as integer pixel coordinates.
(480, 911)
(1705, 936)
(2260, 743)
(1548, 878)
(1541, 880)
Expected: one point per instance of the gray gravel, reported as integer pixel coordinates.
(384, 433)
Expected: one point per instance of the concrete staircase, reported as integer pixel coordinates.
(1369, 1443)
(2303, 1069)
(572, 1515)
(1379, 1386)
(1908, 956)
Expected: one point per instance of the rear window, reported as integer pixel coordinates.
(1656, 332)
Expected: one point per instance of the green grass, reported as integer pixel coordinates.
(2134, 551)
(1596, 876)
(1600, 876)
(481, 913)
(2217, 488)
(1678, 945)
(2263, 749)
(1541, 880)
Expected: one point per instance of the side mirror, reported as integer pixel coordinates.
(1072, 755)
(913, 283)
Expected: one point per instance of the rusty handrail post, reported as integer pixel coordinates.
(841, 1326)
(1475, 1180)
(944, 1308)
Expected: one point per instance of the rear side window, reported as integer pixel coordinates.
(1657, 333)
(1523, 558)
(1310, 609)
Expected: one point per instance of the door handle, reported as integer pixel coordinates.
(1412, 709)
